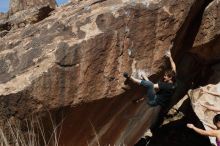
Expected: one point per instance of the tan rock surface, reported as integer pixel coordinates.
(19, 5)
(78, 55)
(198, 97)
(207, 47)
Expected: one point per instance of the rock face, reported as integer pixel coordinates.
(206, 43)
(78, 55)
(207, 47)
(24, 13)
(73, 61)
(19, 5)
(197, 98)
(2, 15)
(3, 25)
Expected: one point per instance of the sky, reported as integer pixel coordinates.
(4, 4)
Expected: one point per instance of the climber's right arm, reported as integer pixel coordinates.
(137, 81)
(213, 133)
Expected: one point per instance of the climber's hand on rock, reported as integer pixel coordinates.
(126, 75)
(191, 126)
(168, 54)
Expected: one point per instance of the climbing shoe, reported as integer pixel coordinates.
(126, 75)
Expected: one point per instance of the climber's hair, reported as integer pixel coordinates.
(216, 119)
(171, 74)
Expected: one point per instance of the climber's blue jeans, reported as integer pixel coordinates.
(151, 94)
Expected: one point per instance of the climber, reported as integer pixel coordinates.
(160, 92)
(215, 132)
(165, 89)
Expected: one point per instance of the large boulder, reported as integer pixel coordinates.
(78, 54)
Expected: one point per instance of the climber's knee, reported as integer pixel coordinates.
(147, 83)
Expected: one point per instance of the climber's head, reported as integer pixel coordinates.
(169, 76)
(216, 121)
